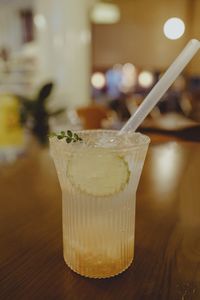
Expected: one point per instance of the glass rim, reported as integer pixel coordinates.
(145, 140)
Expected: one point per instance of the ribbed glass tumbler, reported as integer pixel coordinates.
(99, 179)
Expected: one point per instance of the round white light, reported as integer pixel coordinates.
(174, 28)
(145, 79)
(129, 68)
(98, 80)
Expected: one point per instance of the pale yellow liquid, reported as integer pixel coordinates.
(98, 237)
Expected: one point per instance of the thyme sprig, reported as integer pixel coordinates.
(69, 136)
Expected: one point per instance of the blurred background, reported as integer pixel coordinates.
(74, 64)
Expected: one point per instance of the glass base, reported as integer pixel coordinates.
(108, 272)
(98, 269)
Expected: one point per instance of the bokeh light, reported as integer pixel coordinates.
(98, 80)
(129, 77)
(105, 13)
(145, 79)
(40, 21)
(113, 80)
(174, 28)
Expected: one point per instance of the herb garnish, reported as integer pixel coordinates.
(69, 136)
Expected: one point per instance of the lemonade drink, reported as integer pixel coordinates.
(99, 177)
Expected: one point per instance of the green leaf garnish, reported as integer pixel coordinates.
(68, 140)
(69, 133)
(76, 136)
(69, 136)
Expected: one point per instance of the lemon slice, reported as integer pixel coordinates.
(98, 172)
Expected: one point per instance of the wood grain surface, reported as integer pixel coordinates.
(167, 249)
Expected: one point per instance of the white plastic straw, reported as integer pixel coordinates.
(162, 86)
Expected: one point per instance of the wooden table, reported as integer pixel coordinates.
(167, 250)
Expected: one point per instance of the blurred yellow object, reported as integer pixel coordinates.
(11, 132)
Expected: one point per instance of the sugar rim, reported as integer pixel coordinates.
(144, 140)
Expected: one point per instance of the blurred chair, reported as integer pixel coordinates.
(93, 115)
